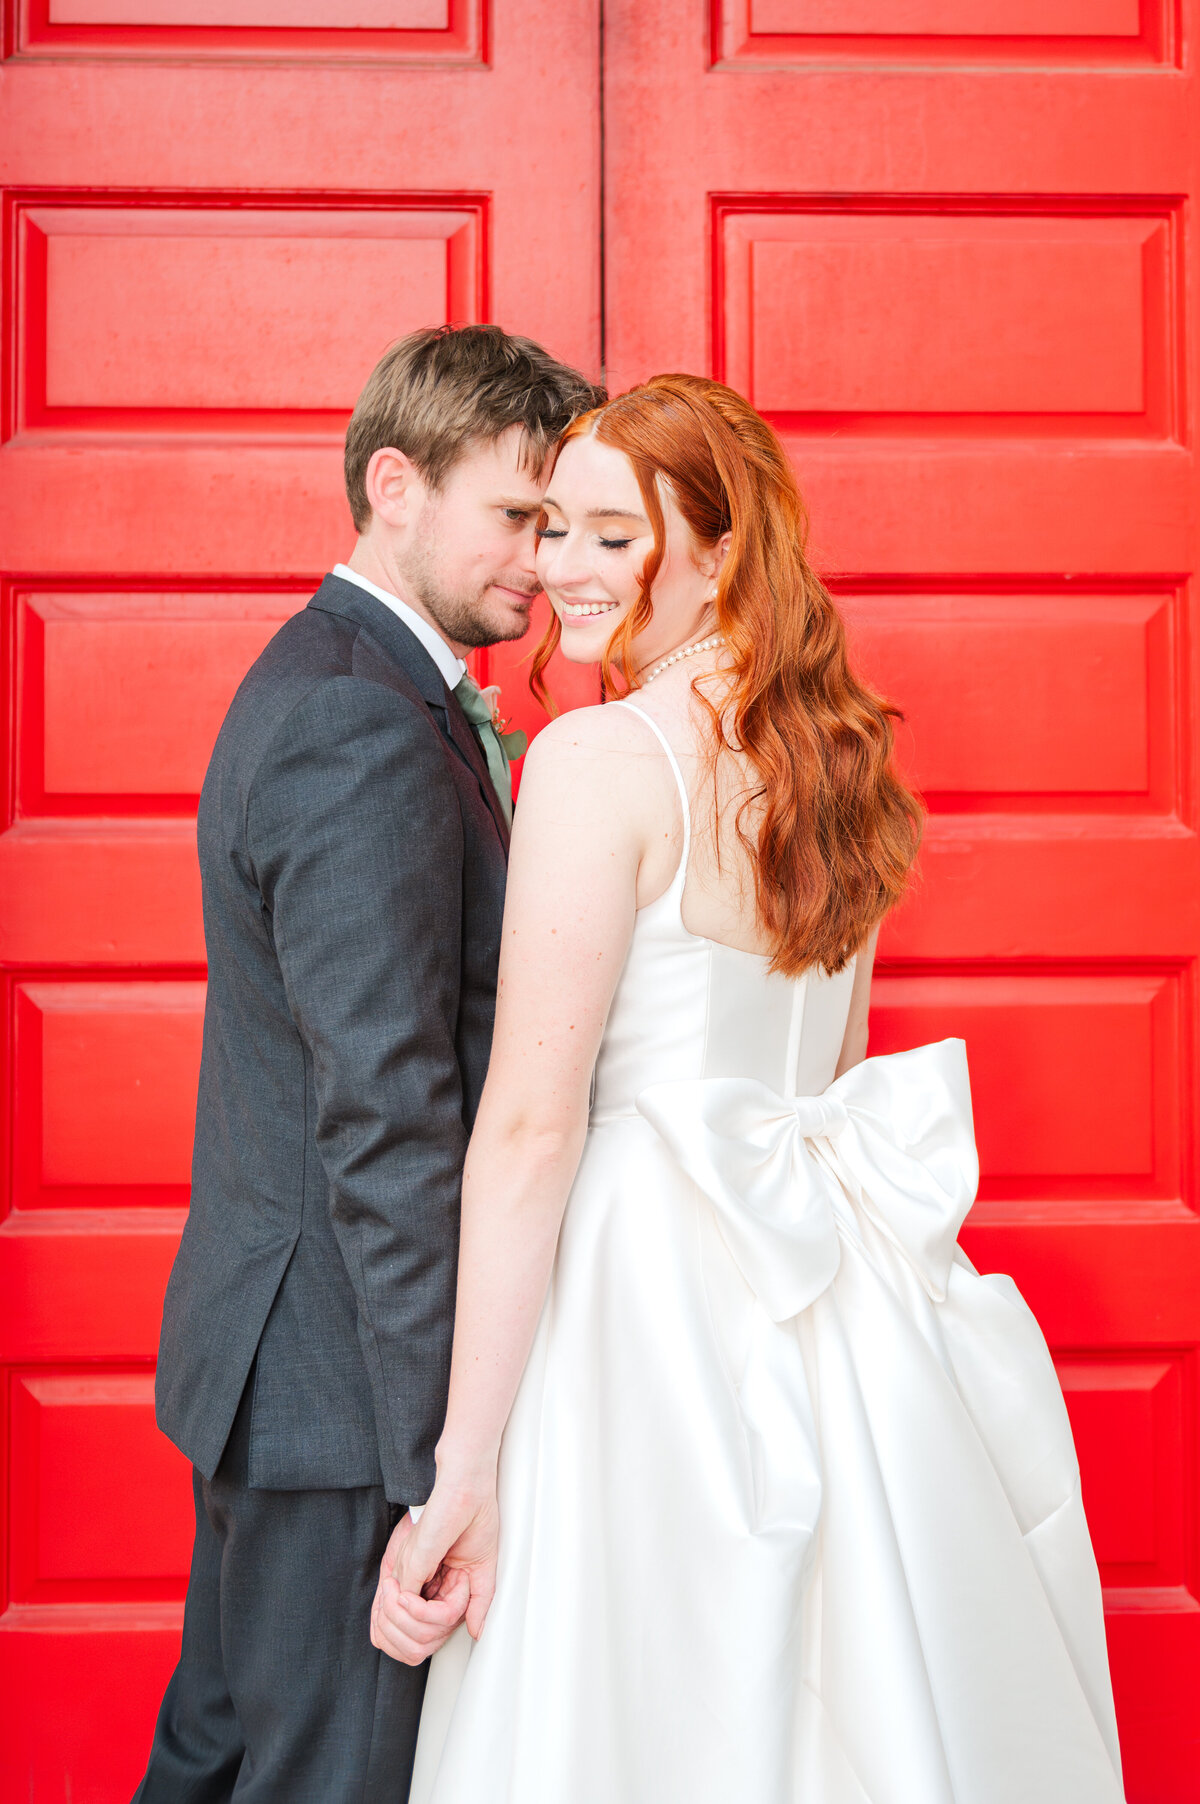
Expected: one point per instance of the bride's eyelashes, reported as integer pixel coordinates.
(549, 532)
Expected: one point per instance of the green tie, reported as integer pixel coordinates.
(477, 709)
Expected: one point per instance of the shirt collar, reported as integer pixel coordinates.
(452, 668)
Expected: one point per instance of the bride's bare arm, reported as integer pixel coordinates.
(854, 1040)
(568, 917)
(588, 795)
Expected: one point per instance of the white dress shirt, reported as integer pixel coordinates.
(451, 666)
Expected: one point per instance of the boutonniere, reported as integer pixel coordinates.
(514, 743)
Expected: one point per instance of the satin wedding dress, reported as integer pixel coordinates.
(789, 1502)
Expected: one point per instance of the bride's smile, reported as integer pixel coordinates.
(596, 548)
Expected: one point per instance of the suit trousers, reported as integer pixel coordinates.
(279, 1697)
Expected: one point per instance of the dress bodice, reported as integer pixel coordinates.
(688, 1007)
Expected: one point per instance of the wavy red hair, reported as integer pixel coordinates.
(834, 830)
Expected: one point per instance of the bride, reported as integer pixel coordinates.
(766, 1496)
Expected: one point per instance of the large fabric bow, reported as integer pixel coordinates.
(894, 1134)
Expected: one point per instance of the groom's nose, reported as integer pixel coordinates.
(527, 546)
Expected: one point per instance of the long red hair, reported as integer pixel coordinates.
(833, 830)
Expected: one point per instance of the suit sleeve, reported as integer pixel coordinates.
(355, 836)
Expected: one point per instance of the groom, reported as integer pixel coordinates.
(353, 831)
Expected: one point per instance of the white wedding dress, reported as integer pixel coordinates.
(790, 1507)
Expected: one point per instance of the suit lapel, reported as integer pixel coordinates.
(335, 596)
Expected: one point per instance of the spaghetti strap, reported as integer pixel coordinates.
(681, 874)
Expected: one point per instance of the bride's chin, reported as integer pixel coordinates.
(575, 652)
(581, 645)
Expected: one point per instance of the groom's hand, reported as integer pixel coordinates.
(411, 1626)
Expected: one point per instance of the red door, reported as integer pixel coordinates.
(950, 249)
(216, 216)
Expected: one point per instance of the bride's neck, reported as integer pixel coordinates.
(705, 630)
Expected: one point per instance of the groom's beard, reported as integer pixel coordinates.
(481, 618)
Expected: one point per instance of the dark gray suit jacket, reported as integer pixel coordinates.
(352, 856)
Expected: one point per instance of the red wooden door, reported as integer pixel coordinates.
(216, 216)
(949, 247)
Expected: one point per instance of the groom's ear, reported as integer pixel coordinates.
(394, 486)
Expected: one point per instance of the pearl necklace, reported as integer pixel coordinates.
(685, 651)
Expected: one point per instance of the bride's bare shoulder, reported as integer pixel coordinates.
(599, 761)
(602, 727)
(609, 736)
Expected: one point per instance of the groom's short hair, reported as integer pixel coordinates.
(440, 389)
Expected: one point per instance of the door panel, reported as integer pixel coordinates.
(1048, 320)
(1124, 33)
(215, 219)
(949, 251)
(126, 310)
(1097, 675)
(413, 32)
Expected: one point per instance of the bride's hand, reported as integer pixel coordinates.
(411, 1626)
(436, 1572)
(457, 1536)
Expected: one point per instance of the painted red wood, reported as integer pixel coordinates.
(307, 288)
(1124, 33)
(78, 1530)
(1096, 673)
(215, 218)
(950, 250)
(434, 31)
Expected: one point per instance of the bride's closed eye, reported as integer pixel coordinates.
(560, 532)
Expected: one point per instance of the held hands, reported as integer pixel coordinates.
(437, 1573)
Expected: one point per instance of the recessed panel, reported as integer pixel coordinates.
(957, 18)
(953, 31)
(1024, 700)
(101, 1504)
(307, 15)
(1128, 1418)
(126, 311)
(983, 316)
(1076, 1077)
(106, 1092)
(122, 695)
(412, 31)
(991, 318)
